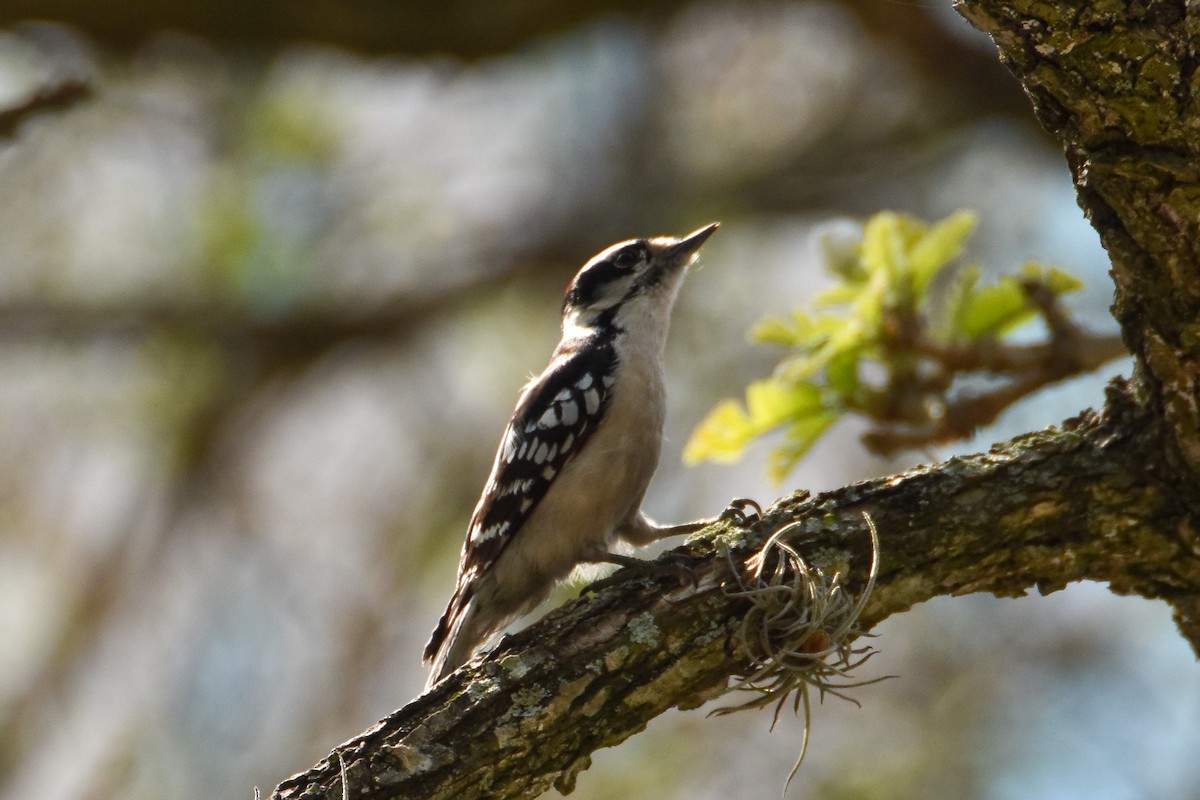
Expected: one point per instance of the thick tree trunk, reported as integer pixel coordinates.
(1117, 84)
(1109, 496)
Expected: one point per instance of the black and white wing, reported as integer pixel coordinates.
(554, 418)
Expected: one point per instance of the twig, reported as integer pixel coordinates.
(915, 408)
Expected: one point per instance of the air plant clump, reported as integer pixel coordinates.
(799, 631)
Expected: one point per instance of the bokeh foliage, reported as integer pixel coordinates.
(903, 292)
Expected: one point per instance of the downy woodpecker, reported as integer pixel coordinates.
(578, 454)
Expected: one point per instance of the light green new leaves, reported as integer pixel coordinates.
(901, 255)
(730, 427)
(993, 311)
(886, 285)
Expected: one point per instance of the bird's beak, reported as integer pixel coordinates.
(688, 245)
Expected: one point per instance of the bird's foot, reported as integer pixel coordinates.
(742, 511)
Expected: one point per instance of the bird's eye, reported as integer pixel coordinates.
(625, 259)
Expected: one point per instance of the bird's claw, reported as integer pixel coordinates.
(680, 564)
(739, 511)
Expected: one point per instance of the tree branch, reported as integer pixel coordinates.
(909, 394)
(1084, 501)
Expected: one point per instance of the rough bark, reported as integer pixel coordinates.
(1117, 84)
(1110, 496)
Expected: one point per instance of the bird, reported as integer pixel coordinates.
(575, 461)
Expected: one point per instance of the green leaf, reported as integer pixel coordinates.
(839, 295)
(771, 403)
(1056, 280)
(995, 310)
(958, 293)
(832, 338)
(721, 436)
(938, 247)
(841, 373)
(803, 368)
(840, 253)
(730, 427)
(774, 330)
(801, 436)
(882, 249)
(801, 331)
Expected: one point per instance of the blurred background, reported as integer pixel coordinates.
(267, 296)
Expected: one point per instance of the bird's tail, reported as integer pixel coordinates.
(453, 640)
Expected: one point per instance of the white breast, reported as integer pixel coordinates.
(603, 485)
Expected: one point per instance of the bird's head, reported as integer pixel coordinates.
(639, 276)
